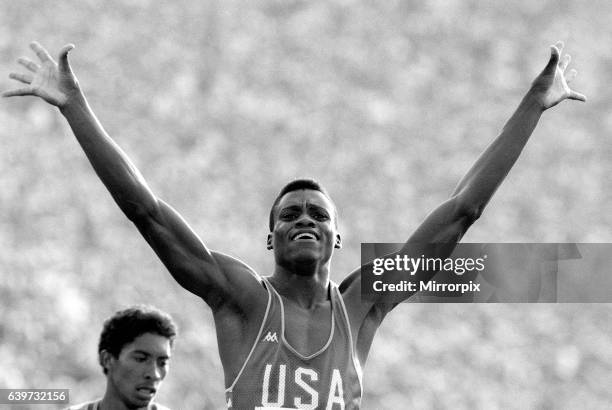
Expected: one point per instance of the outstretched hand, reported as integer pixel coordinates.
(552, 85)
(53, 82)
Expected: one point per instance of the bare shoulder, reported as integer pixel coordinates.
(365, 316)
(350, 289)
(246, 285)
(232, 263)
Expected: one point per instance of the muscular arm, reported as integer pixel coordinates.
(449, 221)
(212, 276)
(122, 179)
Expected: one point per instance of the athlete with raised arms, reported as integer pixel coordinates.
(292, 339)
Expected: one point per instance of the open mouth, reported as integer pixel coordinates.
(305, 236)
(147, 391)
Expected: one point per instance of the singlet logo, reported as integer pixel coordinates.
(271, 337)
(304, 388)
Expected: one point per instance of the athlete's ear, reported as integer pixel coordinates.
(104, 357)
(269, 242)
(338, 242)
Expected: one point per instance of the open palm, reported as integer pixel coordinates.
(53, 82)
(552, 84)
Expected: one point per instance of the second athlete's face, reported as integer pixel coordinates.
(304, 228)
(136, 375)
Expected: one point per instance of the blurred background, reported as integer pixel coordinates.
(220, 103)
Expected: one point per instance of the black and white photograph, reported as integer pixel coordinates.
(213, 204)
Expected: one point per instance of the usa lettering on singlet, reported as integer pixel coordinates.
(276, 376)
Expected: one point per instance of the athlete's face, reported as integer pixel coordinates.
(136, 375)
(304, 228)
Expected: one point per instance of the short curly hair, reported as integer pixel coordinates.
(296, 185)
(126, 325)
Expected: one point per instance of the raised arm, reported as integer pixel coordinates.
(210, 275)
(450, 220)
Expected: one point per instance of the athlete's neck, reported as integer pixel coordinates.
(305, 290)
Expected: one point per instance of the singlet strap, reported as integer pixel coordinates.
(267, 286)
(356, 363)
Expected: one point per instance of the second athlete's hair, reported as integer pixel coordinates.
(126, 325)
